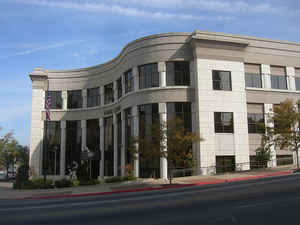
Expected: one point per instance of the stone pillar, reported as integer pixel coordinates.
(135, 115)
(268, 109)
(101, 95)
(63, 148)
(83, 134)
(115, 87)
(65, 100)
(84, 98)
(101, 126)
(123, 85)
(115, 122)
(135, 74)
(162, 74)
(123, 144)
(290, 74)
(266, 78)
(162, 109)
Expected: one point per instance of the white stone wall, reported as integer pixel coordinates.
(209, 101)
(37, 130)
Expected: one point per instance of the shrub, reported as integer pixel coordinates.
(21, 177)
(39, 183)
(82, 173)
(63, 183)
(129, 178)
(76, 183)
(89, 182)
(113, 179)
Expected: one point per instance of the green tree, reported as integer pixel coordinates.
(169, 140)
(286, 132)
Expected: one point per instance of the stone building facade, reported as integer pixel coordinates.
(222, 85)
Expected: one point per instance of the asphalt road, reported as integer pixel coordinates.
(266, 201)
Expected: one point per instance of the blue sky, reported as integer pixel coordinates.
(64, 34)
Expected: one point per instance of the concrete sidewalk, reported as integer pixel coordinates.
(7, 192)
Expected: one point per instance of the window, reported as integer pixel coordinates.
(253, 75)
(223, 122)
(119, 87)
(278, 82)
(108, 146)
(253, 80)
(148, 115)
(221, 80)
(108, 93)
(74, 99)
(56, 99)
(181, 110)
(128, 81)
(148, 76)
(93, 97)
(178, 73)
(128, 133)
(52, 132)
(256, 123)
(297, 78)
(278, 77)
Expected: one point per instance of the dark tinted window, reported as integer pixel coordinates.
(178, 73)
(74, 99)
(55, 99)
(108, 93)
(181, 110)
(253, 80)
(297, 80)
(221, 80)
(128, 81)
(148, 115)
(223, 122)
(256, 123)
(278, 82)
(148, 76)
(53, 132)
(73, 143)
(119, 87)
(93, 97)
(128, 133)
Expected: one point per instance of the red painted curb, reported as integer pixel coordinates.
(164, 187)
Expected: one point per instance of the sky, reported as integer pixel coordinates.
(66, 34)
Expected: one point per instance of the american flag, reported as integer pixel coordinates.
(48, 104)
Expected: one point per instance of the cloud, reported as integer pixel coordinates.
(92, 52)
(226, 6)
(43, 48)
(96, 7)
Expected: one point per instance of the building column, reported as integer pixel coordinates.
(123, 144)
(83, 134)
(63, 148)
(115, 124)
(162, 74)
(84, 98)
(115, 87)
(290, 73)
(101, 95)
(65, 99)
(162, 110)
(266, 78)
(135, 115)
(268, 109)
(101, 126)
(135, 74)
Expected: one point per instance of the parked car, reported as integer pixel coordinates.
(2, 175)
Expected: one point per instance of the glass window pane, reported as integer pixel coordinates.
(297, 80)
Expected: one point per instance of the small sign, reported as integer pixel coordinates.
(90, 155)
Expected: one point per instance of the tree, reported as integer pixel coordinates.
(8, 146)
(286, 133)
(170, 140)
(263, 153)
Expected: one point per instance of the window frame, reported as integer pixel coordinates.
(148, 79)
(251, 76)
(56, 99)
(71, 103)
(128, 81)
(220, 124)
(109, 93)
(221, 86)
(253, 126)
(93, 100)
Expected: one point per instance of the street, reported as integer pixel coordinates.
(274, 200)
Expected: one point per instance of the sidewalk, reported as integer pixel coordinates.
(6, 191)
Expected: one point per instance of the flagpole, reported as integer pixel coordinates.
(45, 137)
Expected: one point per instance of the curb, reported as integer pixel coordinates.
(164, 187)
